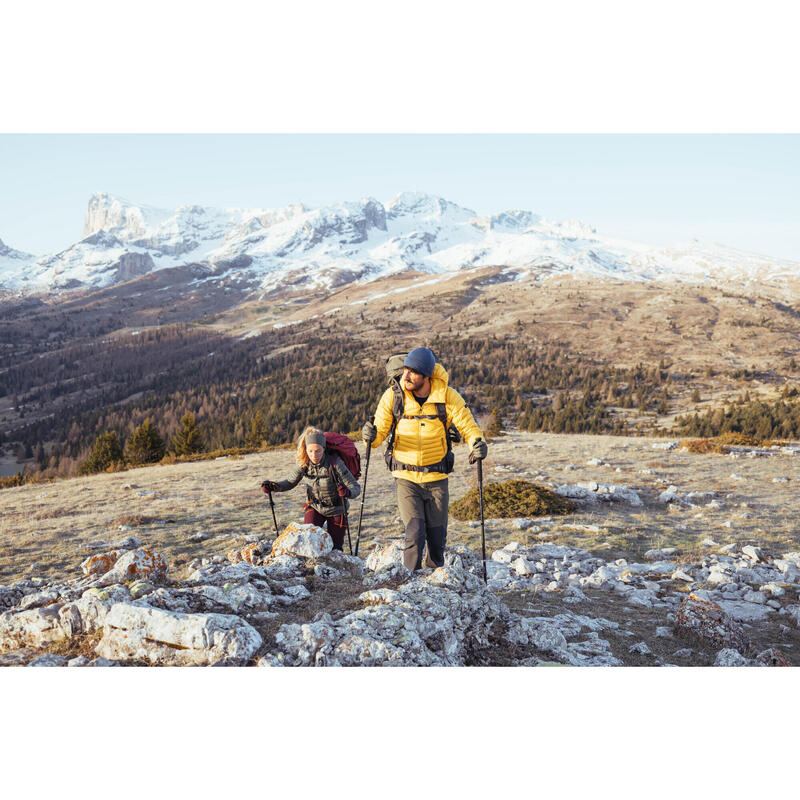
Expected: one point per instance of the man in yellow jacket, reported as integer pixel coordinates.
(421, 456)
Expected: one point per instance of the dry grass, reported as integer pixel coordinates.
(55, 525)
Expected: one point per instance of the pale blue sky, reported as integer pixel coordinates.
(739, 190)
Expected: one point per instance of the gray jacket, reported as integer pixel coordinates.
(322, 481)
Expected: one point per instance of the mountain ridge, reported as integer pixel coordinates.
(357, 241)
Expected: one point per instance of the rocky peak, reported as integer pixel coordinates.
(9, 252)
(508, 220)
(425, 205)
(126, 220)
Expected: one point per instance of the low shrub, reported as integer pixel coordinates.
(511, 499)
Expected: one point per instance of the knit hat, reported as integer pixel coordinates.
(421, 360)
(315, 437)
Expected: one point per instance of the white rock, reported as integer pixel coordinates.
(523, 567)
(680, 575)
(661, 553)
(502, 556)
(640, 648)
(384, 555)
(36, 627)
(304, 541)
(669, 496)
(731, 658)
(755, 554)
(743, 611)
(48, 660)
(165, 637)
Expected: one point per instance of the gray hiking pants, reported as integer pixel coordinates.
(423, 509)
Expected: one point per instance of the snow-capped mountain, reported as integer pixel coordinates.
(12, 260)
(326, 247)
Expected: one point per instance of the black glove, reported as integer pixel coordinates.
(369, 432)
(269, 486)
(478, 452)
(343, 491)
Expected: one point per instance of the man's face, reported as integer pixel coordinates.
(413, 381)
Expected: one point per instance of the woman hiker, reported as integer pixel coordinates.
(328, 484)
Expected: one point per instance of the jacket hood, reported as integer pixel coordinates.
(439, 381)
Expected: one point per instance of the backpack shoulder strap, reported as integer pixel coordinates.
(441, 412)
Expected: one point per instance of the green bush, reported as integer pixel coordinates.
(511, 499)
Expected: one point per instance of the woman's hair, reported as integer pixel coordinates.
(302, 454)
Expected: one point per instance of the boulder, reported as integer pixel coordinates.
(755, 554)
(772, 658)
(706, 622)
(171, 638)
(36, 627)
(252, 553)
(744, 611)
(100, 563)
(85, 615)
(729, 657)
(48, 660)
(140, 564)
(305, 541)
(384, 555)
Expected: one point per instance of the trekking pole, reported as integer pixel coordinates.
(483, 531)
(363, 494)
(274, 518)
(347, 525)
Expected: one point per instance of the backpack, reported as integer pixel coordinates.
(345, 448)
(394, 371)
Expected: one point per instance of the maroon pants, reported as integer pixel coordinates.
(336, 528)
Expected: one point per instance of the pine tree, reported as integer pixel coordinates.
(187, 438)
(145, 445)
(106, 451)
(258, 432)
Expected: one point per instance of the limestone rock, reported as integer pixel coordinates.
(252, 553)
(140, 589)
(443, 617)
(85, 615)
(705, 621)
(36, 627)
(755, 554)
(170, 638)
(744, 611)
(9, 597)
(100, 563)
(82, 661)
(305, 541)
(772, 658)
(17, 658)
(729, 657)
(384, 555)
(49, 660)
(140, 564)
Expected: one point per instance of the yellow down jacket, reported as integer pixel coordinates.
(422, 442)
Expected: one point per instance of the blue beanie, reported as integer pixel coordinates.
(421, 360)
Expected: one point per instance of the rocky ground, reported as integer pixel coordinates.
(670, 559)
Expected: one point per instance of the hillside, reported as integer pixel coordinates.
(607, 582)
